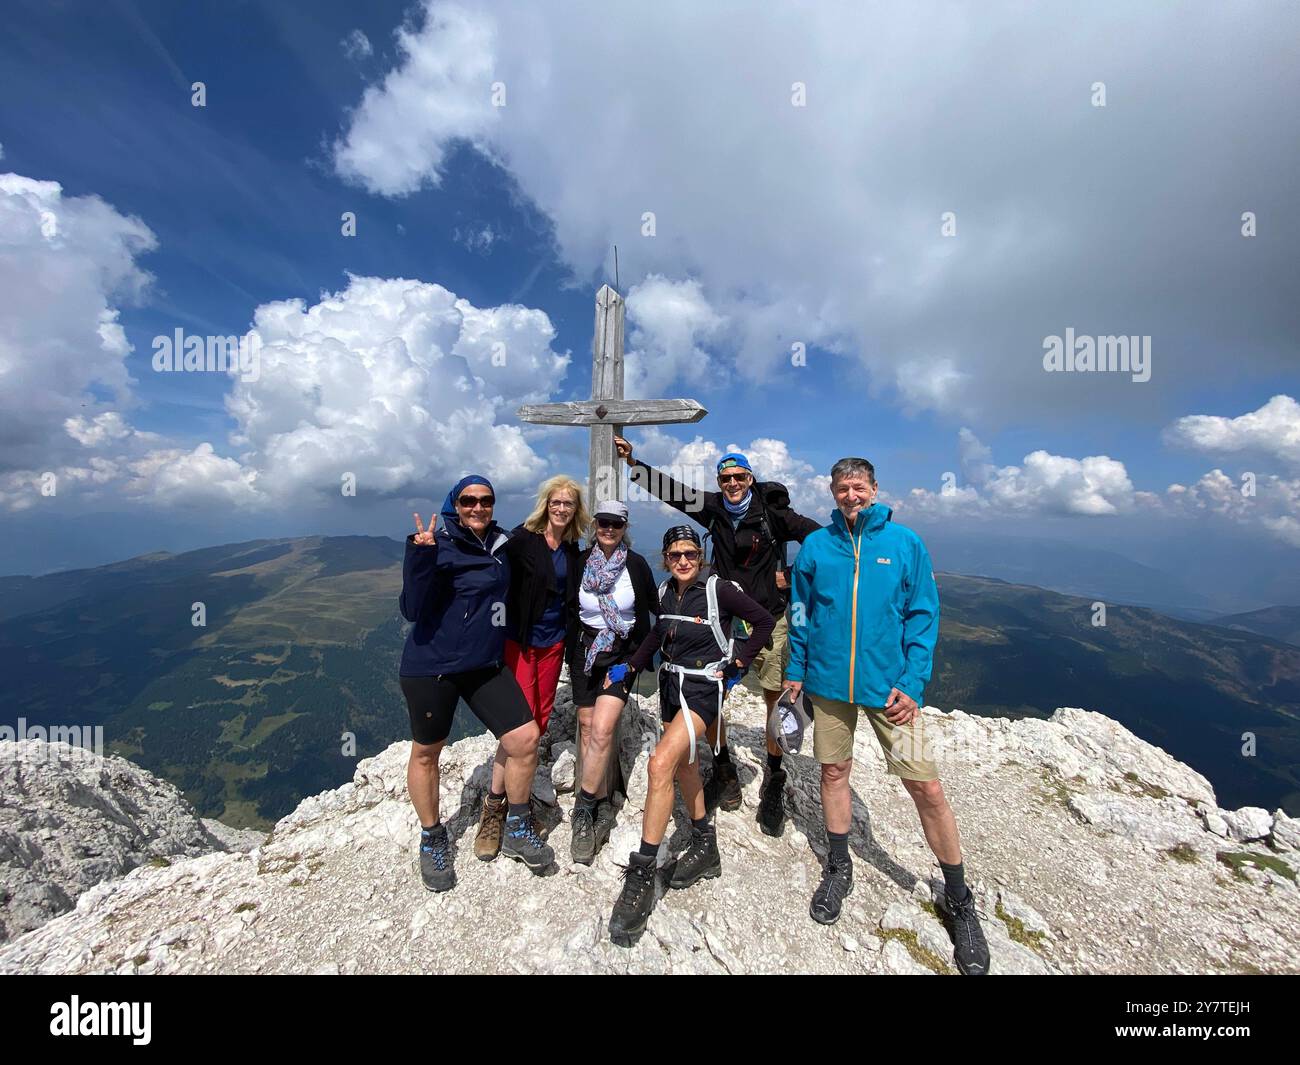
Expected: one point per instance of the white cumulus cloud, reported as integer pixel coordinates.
(672, 325)
(356, 45)
(1273, 430)
(399, 382)
(1043, 483)
(67, 265)
(797, 161)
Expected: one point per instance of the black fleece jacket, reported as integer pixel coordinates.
(743, 554)
(532, 578)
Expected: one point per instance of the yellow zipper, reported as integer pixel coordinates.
(853, 627)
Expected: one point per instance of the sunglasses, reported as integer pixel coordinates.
(683, 556)
(610, 523)
(727, 478)
(470, 502)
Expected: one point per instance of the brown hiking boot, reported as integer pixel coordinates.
(487, 844)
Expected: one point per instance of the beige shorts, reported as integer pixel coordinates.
(906, 754)
(769, 664)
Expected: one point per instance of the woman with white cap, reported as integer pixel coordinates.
(611, 597)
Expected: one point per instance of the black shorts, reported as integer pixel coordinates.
(587, 687)
(492, 693)
(701, 696)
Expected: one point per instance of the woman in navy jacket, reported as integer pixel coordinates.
(455, 580)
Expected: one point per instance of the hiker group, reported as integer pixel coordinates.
(847, 632)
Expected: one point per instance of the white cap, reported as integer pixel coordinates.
(611, 508)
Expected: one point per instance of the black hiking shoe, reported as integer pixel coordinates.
(436, 868)
(699, 861)
(771, 803)
(971, 949)
(728, 784)
(836, 886)
(605, 822)
(522, 843)
(637, 899)
(583, 847)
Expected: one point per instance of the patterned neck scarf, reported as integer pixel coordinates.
(599, 577)
(737, 510)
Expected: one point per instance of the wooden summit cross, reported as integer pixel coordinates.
(606, 413)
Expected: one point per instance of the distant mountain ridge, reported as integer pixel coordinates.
(256, 709)
(1278, 622)
(1070, 569)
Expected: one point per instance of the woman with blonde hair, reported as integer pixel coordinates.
(542, 551)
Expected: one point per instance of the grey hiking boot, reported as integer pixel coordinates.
(635, 901)
(436, 868)
(699, 861)
(836, 886)
(971, 949)
(582, 848)
(522, 843)
(543, 817)
(728, 785)
(771, 803)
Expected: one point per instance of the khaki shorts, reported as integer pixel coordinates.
(769, 664)
(904, 746)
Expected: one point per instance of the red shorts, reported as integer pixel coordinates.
(537, 669)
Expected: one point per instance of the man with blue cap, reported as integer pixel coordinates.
(750, 523)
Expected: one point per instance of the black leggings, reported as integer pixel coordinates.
(492, 693)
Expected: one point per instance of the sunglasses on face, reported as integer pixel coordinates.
(683, 556)
(727, 478)
(470, 502)
(610, 523)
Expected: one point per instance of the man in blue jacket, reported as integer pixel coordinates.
(864, 619)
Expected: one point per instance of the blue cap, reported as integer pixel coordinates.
(734, 458)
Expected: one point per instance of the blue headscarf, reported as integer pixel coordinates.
(449, 505)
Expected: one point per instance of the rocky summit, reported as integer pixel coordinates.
(70, 819)
(1090, 851)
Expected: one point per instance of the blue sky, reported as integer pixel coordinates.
(818, 223)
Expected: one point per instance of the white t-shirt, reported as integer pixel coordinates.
(624, 598)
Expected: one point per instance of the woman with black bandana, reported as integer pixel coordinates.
(455, 581)
(700, 662)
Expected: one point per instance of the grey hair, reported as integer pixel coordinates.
(852, 467)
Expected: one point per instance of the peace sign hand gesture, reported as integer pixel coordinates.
(424, 539)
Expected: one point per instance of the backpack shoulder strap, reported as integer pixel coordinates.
(715, 617)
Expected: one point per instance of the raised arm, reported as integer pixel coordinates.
(695, 503)
(419, 569)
